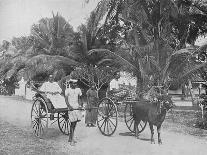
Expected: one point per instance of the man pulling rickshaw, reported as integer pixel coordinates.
(71, 100)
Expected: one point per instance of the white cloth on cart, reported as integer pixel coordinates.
(57, 100)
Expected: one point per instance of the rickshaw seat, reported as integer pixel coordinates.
(47, 101)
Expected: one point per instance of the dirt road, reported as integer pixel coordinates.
(16, 112)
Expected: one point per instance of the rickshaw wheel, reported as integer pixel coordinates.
(129, 119)
(63, 122)
(39, 117)
(107, 117)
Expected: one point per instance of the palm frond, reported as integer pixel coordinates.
(182, 63)
(191, 72)
(115, 55)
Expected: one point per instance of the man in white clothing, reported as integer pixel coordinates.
(115, 91)
(53, 92)
(21, 90)
(73, 101)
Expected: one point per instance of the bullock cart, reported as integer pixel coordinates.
(108, 115)
(118, 106)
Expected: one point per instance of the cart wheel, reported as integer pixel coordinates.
(107, 117)
(63, 122)
(39, 117)
(129, 119)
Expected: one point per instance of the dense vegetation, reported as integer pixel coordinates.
(145, 37)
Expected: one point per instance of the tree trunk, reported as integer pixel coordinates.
(139, 89)
(191, 91)
(183, 92)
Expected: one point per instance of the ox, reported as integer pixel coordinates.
(152, 112)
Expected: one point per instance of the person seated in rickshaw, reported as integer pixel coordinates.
(53, 92)
(73, 100)
(115, 91)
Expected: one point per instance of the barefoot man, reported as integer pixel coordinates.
(73, 101)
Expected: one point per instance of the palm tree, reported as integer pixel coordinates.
(53, 35)
(151, 41)
(45, 52)
(90, 36)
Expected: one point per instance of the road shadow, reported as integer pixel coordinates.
(144, 139)
(126, 134)
(52, 133)
(132, 134)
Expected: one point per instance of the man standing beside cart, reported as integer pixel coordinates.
(92, 100)
(73, 101)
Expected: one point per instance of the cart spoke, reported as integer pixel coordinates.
(64, 127)
(42, 111)
(102, 123)
(36, 129)
(131, 123)
(54, 122)
(44, 119)
(40, 129)
(110, 126)
(110, 107)
(35, 111)
(129, 119)
(105, 125)
(67, 127)
(141, 125)
(34, 115)
(111, 113)
(34, 124)
(63, 124)
(101, 119)
(112, 123)
(62, 120)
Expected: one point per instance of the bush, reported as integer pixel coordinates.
(201, 122)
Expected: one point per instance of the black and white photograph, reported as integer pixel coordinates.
(103, 77)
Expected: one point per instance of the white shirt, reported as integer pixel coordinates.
(114, 84)
(73, 96)
(50, 87)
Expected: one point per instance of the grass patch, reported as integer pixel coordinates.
(183, 121)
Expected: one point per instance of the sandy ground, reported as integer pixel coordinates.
(16, 111)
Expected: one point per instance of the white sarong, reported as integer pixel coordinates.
(75, 115)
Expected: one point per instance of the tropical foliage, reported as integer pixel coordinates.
(45, 52)
(154, 34)
(145, 37)
(94, 67)
(53, 35)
